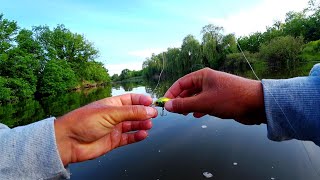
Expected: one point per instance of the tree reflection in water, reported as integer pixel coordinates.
(32, 110)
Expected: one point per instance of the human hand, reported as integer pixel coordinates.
(219, 94)
(97, 128)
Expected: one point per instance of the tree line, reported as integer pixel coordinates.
(126, 74)
(285, 49)
(45, 61)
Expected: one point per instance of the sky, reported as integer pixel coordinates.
(127, 32)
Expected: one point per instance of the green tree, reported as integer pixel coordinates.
(211, 45)
(229, 44)
(8, 31)
(252, 42)
(57, 77)
(171, 62)
(312, 32)
(190, 55)
(95, 71)
(311, 51)
(20, 88)
(282, 54)
(295, 24)
(5, 92)
(215, 46)
(115, 77)
(61, 43)
(125, 74)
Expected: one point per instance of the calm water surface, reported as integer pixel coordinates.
(178, 147)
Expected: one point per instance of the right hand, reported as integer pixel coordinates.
(219, 94)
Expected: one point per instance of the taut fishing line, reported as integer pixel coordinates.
(160, 72)
(287, 119)
(153, 91)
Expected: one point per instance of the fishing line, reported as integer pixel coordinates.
(282, 111)
(247, 61)
(160, 72)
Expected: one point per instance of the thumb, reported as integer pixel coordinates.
(183, 105)
(131, 113)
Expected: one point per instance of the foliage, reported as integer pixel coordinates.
(276, 52)
(95, 71)
(235, 63)
(57, 77)
(211, 45)
(5, 92)
(44, 61)
(30, 110)
(127, 74)
(311, 51)
(251, 43)
(190, 54)
(61, 43)
(282, 54)
(115, 77)
(8, 30)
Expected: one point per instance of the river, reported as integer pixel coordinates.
(182, 147)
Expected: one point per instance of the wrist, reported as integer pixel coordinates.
(254, 102)
(62, 141)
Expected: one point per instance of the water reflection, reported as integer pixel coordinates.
(21, 113)
(32, 110)
(179, 147)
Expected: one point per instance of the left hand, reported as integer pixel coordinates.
(97, 128)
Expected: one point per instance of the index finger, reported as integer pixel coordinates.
(129, 99)
(189, 81)
(135, 99)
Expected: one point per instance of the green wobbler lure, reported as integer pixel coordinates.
(160, 103)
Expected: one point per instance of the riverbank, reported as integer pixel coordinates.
(130, 80)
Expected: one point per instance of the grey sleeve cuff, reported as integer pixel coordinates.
(2, 126)
(292, 108)
(30, 152)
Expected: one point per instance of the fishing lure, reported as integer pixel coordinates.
(160, 103)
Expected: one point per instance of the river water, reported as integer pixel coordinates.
(178, 146)
(183, 147)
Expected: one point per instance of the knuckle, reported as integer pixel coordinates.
(207, 69)
(136, 111)
(178, 105)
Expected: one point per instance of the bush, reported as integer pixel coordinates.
(95, 71)
(57, 77)
(311, 51)
(5, 93)
(282, 54)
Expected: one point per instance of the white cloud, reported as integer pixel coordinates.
(258, 17)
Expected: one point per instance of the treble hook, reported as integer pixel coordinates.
(160, 103)
(162, 112)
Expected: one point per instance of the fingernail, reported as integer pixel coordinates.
(150, 111)
(168, 106)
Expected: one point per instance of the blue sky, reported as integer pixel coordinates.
(126, 32)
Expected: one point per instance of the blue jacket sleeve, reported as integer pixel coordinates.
(30, 152)
(293, 107)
